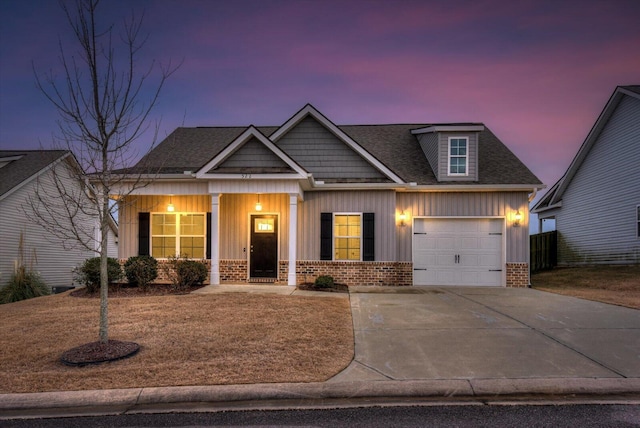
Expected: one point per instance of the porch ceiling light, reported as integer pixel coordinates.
(170, 207)
(258, 204)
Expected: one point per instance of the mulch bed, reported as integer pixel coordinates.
(337, 288)
(125, 290)
(98, 352)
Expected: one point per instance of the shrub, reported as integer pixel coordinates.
(141, 270)
(184, 273)
(24, 284)
(191, 273)
(324, 281)
(88, 273)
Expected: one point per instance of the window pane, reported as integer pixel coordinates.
(354, 254)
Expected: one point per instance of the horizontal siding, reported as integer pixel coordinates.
(463, 204)
(429, 145)
(321, 153)
(49, 256)
(597, 222)
(444, 157)
(253, 154)
(382, 203)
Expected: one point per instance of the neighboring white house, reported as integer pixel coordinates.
(405, 204)
(22, 172)
(596, 203)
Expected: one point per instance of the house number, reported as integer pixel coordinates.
(246, 175)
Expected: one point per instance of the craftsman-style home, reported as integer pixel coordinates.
(406, 204)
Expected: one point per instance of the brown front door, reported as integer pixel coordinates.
(263, 251)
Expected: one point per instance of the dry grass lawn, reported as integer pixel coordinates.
(185, 340)
(618, 285)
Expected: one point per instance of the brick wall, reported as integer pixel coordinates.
(517, 274)
(357, 273)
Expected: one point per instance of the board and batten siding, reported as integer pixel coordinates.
(45, 253)
(234, 219)
(382, 203)
(598, 219)
(321, 153)
(468, 204)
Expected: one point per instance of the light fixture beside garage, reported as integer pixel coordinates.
(402, 218)
(517, 218)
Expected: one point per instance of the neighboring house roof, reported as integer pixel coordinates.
(24, 165)
(553, 198)
(19, 167)
(392, 148)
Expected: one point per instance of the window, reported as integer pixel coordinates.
(178, 234)
(347, 236)
(458, 157)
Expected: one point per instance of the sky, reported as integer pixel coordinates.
(536, 72)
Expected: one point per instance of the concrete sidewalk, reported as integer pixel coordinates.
(443, 344)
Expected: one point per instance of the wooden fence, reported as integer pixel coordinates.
(544, 251)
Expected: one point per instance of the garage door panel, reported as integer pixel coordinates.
(458, 251)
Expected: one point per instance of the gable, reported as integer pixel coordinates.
(617, 128)
(324, 155)
(251, 146)
(252, 157)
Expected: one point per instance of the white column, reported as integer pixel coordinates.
(215, 240)
(293, 237)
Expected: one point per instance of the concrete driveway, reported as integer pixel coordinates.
(474, 333)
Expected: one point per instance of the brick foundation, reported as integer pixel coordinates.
(357, 273)
(349, 273)
(517, 275)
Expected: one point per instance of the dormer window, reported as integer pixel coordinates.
(458, 156)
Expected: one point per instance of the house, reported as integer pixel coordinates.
(596, 203)
(404, 204)
(23, 173)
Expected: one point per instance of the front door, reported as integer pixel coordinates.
(263, 250)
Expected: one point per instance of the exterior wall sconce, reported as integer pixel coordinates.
(403, 218)
(170, 207)
(258, 204)
(517, 218)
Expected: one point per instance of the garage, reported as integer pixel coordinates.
(458, 251)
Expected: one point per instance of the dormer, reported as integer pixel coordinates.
(452, 150)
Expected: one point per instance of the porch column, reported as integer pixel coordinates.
(293, 237)
(215, 240)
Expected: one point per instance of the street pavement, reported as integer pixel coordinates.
(419, 343)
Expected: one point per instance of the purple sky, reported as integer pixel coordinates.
(536, 72)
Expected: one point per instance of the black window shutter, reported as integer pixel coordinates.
(368, 242)
(326, 236)
(143, 233)
(208, 243)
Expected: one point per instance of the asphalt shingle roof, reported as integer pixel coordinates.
(189, 149)
(30, 163)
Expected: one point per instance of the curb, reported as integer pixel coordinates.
(119, 401)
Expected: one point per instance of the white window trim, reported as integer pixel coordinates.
(334, 236)
(466, 157)
(638, 221)
(178, 235)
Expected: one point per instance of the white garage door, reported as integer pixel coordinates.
(458, 251)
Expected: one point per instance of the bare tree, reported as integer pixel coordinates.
(104, 99)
